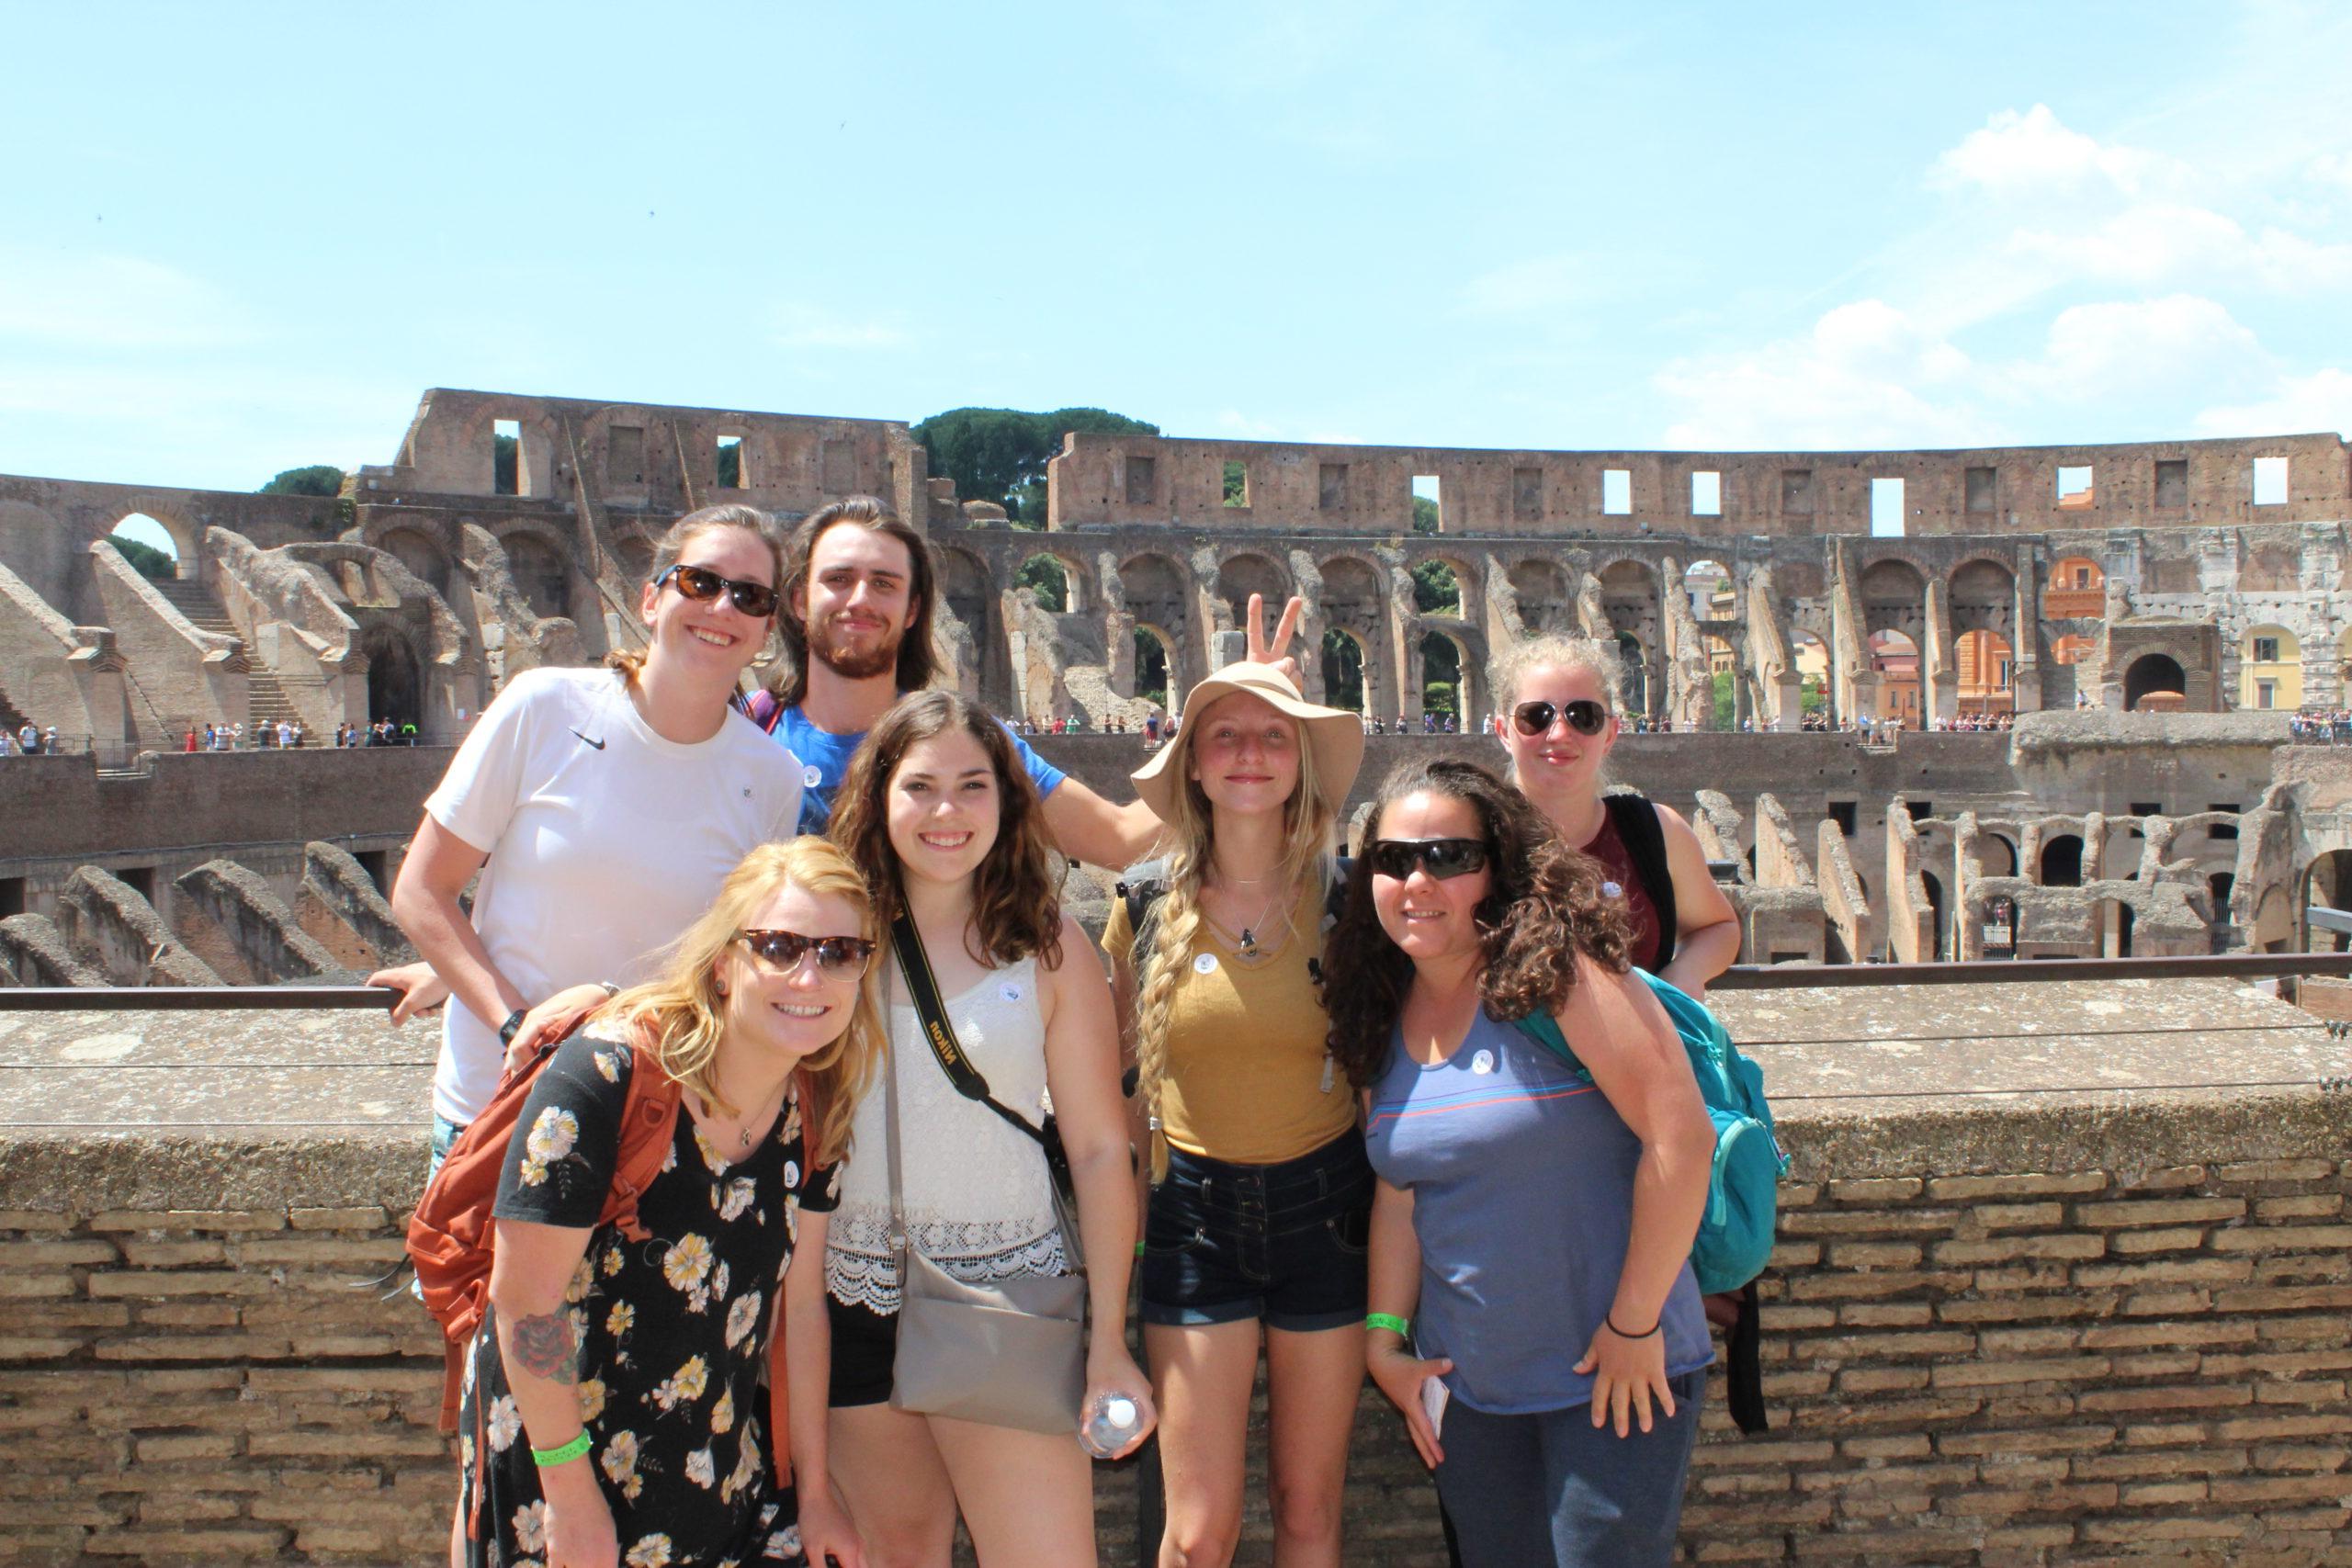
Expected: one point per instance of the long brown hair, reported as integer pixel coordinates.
(917, 663)
(683, 1015)
(1545, 903)
(630, 661)
(1016, 891)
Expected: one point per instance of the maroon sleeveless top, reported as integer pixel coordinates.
(1641, 913)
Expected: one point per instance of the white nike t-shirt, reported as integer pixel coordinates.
(606, 841)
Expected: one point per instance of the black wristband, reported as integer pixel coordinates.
(514, 1021)
(1612, 1324)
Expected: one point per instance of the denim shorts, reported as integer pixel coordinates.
(1224, 1243)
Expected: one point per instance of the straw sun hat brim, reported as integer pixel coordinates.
(1334, 734)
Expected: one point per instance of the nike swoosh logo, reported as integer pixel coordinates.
(598, 744)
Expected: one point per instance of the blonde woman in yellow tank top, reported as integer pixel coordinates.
(1256, 1221)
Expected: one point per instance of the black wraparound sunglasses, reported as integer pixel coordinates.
(1444, 858)
(755, 599)
(1584, 715)
(838, 955)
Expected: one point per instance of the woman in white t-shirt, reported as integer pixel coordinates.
(609, 805)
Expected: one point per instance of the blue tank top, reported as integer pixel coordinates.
(1522, 1181)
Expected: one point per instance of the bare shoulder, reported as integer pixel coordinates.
(1080, 962)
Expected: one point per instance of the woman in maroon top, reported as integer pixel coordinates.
(1560, 696)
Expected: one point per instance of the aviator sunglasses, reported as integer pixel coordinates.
(1584, 715)
(840, 957)
(755, 599)
(1444, 858)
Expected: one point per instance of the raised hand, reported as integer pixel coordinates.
(1264, 649)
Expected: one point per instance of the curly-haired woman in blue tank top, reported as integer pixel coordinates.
(1534, 1313)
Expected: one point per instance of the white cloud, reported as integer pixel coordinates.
(2156, 242)
(1234, 422)
(2321, 401)
(2133, 350)
(2034, 153)
(808, 326)
(1867, 375)
(96, 300)
(2334, 170)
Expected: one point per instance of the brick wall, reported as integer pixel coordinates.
(2101, 1335)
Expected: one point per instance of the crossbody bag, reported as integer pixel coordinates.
(1008, 1353)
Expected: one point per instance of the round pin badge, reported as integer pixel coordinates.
(1613, 890)
(1009, 991)
(792, 1173)
(1204, 965)
(811, 778)
(1484, 1062)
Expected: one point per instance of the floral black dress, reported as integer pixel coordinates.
(672, 1331)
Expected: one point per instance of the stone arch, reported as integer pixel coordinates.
(1156, 594)
(1245, 572)
(188, 537)
(395, 674)
(2151, 679)
(1704, 581)
(1894, 660)
(964, 588)
(1546, 603)
(2062, 861)
(1983, 598)
(1809, 651)
(540, 574)
(2327, 882)
(1076, 594)
(420, 552)
(1894, 598)
(2006, 860)
(1463, 571)
(1352, 596)
(130, 529)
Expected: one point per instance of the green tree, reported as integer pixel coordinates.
(1724, 705)
(146, 559)
(319, 478)
(505, 465)
(1436, 591)
(1044, 575)
(1000, 454)
(1440, 673)
(1424, 514)
(1237, 484)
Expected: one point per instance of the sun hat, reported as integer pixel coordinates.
(1335, 735)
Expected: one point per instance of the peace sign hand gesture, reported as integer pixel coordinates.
(1269, 650)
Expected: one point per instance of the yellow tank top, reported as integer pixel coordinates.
(1245, 1078)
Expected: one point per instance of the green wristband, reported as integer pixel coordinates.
(1388, 1320)
(571, 1451)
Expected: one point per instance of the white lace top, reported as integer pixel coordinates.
(979, 1201)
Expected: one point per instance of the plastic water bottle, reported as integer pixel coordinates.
(1112, 1422)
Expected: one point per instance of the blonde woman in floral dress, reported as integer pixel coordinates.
(613, 1406)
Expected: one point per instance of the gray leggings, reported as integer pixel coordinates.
(1551, 1488)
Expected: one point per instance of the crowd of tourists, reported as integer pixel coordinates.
(30, 740)
(775, 1054)
(2327, 727)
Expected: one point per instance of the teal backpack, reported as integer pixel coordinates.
(1734, 1238)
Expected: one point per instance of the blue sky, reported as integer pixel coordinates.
(242, 238)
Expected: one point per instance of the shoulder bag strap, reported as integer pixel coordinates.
(932, 1013)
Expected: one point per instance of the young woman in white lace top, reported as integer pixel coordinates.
(941, 817)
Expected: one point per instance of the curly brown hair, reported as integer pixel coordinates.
(1016, 892)
(1543, 903)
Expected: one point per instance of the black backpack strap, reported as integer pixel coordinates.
(1744, 1365)
(948, 1052)
(1644, 837)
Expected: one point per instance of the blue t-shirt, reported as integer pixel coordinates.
(1522, 1174)
(824, 759)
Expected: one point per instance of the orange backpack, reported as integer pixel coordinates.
(451, 1236)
